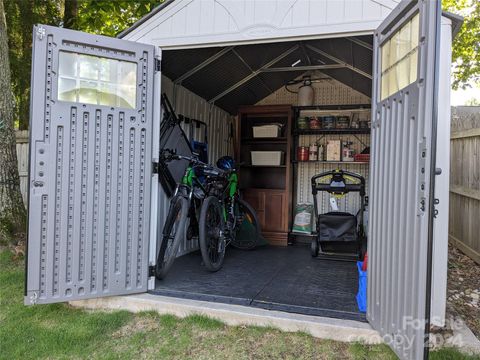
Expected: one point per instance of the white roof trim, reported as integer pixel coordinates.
(199, 23)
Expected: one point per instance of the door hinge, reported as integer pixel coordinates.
(33, 298)
(151, 270)
(155, 168)
(158, 64)
(41, 32)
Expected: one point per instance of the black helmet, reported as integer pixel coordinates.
(226, 163)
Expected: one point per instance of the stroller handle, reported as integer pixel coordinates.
(339, 174)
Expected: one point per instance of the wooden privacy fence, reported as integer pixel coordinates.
(464, 222)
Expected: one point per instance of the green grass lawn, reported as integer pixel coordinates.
(59, 332)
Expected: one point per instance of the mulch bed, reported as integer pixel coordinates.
(463, 289)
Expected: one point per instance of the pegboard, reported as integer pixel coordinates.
(306, 170)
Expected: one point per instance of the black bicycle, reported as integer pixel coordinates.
(224, 216)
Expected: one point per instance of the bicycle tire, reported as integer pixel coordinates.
(211, 241)
(177, 214)
(248, 245)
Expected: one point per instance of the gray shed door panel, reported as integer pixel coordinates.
(90, 166)
(400, 177)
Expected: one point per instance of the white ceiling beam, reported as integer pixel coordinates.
(304, 68)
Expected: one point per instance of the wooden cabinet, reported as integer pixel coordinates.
(266, 188)
(270, 206)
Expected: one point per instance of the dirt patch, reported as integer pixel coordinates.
(463, 289)
(139, 324)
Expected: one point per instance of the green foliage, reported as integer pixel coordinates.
(466, 45)
(107, 17)
(21, 15)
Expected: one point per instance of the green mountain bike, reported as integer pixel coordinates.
(205, 187)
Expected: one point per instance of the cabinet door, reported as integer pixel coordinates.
(256, 199)
(275, 216)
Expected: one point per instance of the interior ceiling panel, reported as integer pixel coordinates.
(292, 59)
(176, 63)
(258, 55)
(218, 76)
(277, 80)
(352, 79)
(234, 67)
(344, 50)
(250, 93)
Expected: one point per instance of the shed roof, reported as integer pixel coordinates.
(236, 52)
(195, 23)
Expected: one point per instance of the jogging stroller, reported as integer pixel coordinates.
(340, 235)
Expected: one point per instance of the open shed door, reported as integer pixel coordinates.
(401, 188)
(90, 166)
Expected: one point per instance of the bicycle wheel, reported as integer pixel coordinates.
(211, 239)
(172, 235)
(247, 229)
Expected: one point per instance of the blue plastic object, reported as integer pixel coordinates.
(362, 288)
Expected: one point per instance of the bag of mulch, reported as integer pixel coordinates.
(303, 219)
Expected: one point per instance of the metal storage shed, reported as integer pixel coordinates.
(95, 205)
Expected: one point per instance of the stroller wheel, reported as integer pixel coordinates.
(314, 248)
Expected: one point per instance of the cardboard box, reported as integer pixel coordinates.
(334, 150)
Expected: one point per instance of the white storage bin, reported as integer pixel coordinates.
(267, 158)
(267, 131)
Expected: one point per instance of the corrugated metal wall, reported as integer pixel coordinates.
(220, 142)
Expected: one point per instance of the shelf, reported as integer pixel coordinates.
(333, 162)
(356, 107)
(331, 131)
(278, 140)
(263, 166)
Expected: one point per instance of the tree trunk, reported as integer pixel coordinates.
(26, 12)
(70, 14)
(12, 210)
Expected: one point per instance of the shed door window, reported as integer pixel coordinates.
(399, 58)
(96, 80)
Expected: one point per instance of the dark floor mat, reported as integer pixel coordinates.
(286, 279)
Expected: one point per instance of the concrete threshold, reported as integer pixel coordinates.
(320, 327)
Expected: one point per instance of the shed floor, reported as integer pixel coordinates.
(285, 279)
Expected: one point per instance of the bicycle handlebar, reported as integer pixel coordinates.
(169, 155)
